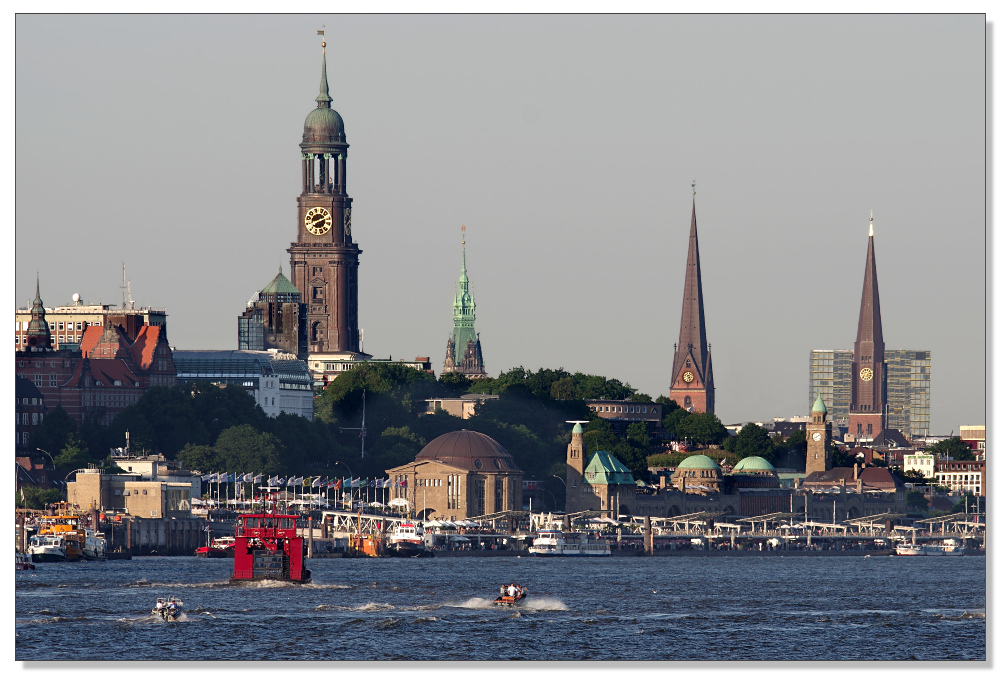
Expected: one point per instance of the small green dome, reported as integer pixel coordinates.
(577, 429)
(698, 462)
(323, 125)
(819, 406)
(754, 463)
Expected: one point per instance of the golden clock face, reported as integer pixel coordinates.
(688, 376)
(318, 220)
(866, 374)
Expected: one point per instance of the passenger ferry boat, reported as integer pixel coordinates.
(557, 543)
(407, 539)
(947, 547)
(268, 547)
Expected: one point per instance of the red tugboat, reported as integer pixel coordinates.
(269, 548)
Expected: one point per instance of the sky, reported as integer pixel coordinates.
(567, 146)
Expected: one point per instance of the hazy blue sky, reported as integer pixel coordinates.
(567, 146)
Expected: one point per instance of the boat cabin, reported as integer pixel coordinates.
(268, 547)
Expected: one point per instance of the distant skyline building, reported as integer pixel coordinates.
(464, 352)
(692, 383)
(276, 318)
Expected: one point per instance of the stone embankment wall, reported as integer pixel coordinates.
(155, 537)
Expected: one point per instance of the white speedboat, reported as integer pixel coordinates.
(558, 543)
(910, 550)
(169, 609)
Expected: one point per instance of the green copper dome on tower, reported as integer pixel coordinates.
(819, 406)
(698, 462)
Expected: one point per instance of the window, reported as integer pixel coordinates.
(79, 326)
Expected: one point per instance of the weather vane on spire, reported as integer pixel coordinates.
(323, 33)
(693, 193)
(463, 234)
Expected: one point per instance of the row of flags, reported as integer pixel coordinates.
(291, 482)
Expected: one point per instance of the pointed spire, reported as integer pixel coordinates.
(323, 100)
(871, 225)
(464, 277)
(819, 406)
(692, 359)
(870, 320)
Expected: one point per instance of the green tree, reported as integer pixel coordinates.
(243, 449)
(703, 429)
(564, 388)
(952, 446)
(638, 435)
(200, 457)
(73, 456)
(752, 440)
(916, 500)
(791, 451)
(32, 497)
(54, 432)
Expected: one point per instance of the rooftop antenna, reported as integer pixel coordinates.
(123, 285)
(131, 304)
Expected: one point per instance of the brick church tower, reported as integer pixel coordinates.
(692, 384)
(324, 256)
(868, 370)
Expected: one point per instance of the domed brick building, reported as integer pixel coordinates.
(459, 475)
(698, 474)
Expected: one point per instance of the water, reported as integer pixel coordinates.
(661, 608)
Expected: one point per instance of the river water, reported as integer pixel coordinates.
(631, 608)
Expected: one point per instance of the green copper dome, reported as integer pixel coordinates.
(819, 406)
(753, 464)
(577, 429)
(323, 125)
(698, 462)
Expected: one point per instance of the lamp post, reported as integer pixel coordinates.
(50, 457)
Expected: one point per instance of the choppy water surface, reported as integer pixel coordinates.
(887, 608)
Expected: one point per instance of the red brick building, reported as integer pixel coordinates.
(114, 366)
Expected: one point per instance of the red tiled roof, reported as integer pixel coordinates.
(107, 371)
(145, 345)
(90, 339)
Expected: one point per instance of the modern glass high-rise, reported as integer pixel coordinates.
(909, 387)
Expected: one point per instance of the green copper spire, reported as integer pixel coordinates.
(819, 406)
(323, 100)
(463, 312)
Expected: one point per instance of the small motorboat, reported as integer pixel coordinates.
(219, 548)
(168, 609)
(511, 595)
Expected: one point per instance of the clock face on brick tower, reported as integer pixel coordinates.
(318, 220)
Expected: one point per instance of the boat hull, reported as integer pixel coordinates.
(48, 556)
(407, 550)
(510, 601)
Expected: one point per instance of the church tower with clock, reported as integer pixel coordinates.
(868, 370)
(692, 383)
(324, 256)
